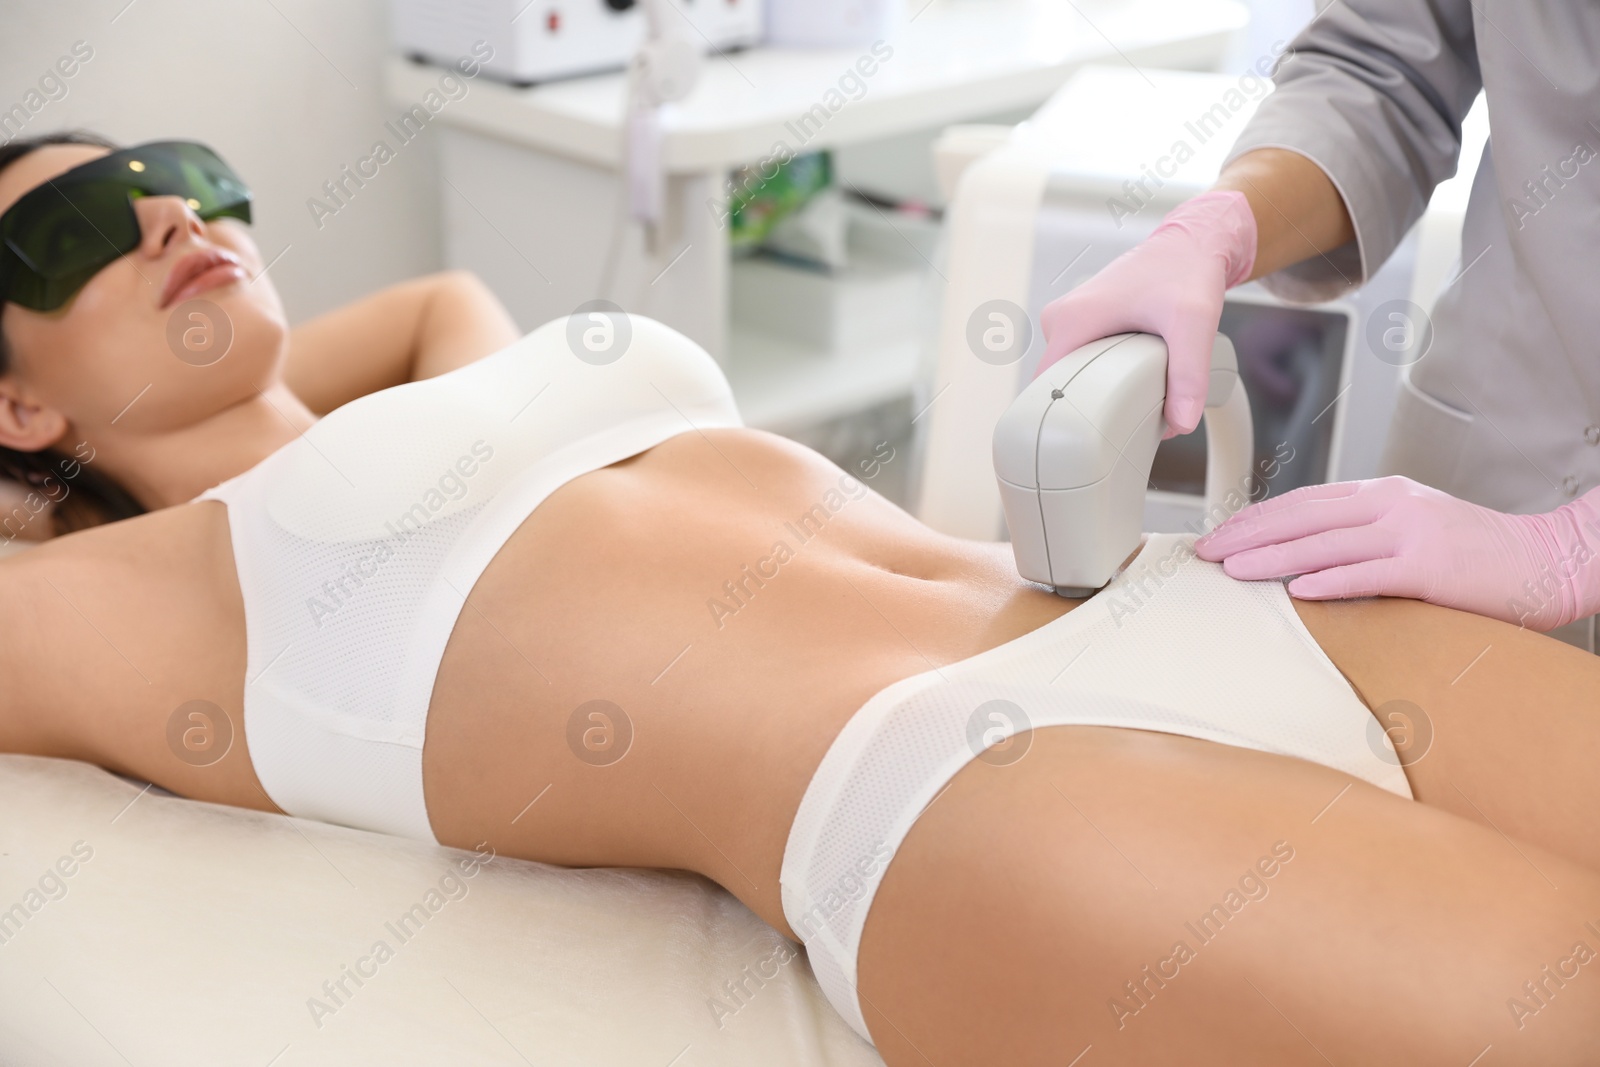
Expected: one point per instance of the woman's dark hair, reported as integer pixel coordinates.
(84, 496)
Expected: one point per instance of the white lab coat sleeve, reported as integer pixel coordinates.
(1373, 92)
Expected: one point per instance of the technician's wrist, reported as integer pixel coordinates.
(1565, 585)
(1221, 220)
(1581, 518)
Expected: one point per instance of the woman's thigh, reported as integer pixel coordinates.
(1141, 898)
(1497, 724)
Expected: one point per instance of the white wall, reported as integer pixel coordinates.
(287, 90)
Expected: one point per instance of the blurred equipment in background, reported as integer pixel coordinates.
(759, 205)
(829, 23)
(664, 69)
(541, 40)
(824, 318)
(1291, 361)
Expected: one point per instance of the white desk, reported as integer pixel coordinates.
(529, 176)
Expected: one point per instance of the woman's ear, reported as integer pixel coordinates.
(25, 424)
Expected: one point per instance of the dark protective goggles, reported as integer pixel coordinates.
(58, 236)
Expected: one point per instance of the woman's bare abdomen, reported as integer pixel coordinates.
(652, 667)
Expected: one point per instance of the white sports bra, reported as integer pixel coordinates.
(357, 543)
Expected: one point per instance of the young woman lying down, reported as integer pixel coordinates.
(399, 570)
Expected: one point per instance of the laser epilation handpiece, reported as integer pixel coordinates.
(1073, 453)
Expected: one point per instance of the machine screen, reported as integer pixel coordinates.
(1290, 360)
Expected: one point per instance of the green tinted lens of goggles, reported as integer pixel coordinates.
(59, 235)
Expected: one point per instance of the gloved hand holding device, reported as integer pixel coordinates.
(1170, 284)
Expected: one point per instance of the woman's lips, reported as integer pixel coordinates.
(221, 274)
(201, 272)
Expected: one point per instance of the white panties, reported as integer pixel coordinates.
(1172, 644)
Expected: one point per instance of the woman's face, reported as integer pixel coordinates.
(145, 345)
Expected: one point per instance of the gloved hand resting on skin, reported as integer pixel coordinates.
(1395, 537)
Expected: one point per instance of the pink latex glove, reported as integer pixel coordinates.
(1170, 284)
(1395, 537)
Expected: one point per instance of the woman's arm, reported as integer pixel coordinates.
(413, 330)
(92, 672)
